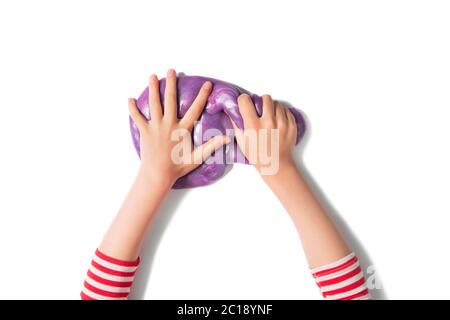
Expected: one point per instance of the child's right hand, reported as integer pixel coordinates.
(167, 151)
(267, 141)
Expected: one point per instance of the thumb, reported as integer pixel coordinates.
(238, 133)
(203, 152)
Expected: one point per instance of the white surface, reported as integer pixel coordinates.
(372, 77)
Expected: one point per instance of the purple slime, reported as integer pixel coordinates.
(222, 104)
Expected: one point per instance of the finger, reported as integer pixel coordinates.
(135, 114)
(247, 108)
(197, 106)
(292, 126)
(238, 133)
(203, 152)
(291, 118)
(280, 114)
(170, 95)
(240, 138)
(267, 106)
(154, 99)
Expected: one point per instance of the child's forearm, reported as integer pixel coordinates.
(115, 263)
(125, 235)
(321, 240)
(334, 267)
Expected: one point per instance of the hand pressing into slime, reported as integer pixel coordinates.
(267, 141)
(166, 148)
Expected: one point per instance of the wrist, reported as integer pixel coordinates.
(155, 179)
(286, 170)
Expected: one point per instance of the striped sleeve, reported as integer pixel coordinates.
(108, 278)
(342, 280)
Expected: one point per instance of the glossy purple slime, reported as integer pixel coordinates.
(221, 103)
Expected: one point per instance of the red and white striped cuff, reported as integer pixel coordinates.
(342, 280)
(108, 278)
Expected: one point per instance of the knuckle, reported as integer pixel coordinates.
(250, 122)
(281, 125)
(269, 122)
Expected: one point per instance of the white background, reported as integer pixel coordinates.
(372, 77)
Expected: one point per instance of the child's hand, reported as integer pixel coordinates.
(267, 141)
(163, 156)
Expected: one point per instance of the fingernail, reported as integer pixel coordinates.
(207, 85)
(153, 78)
(170, 72)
